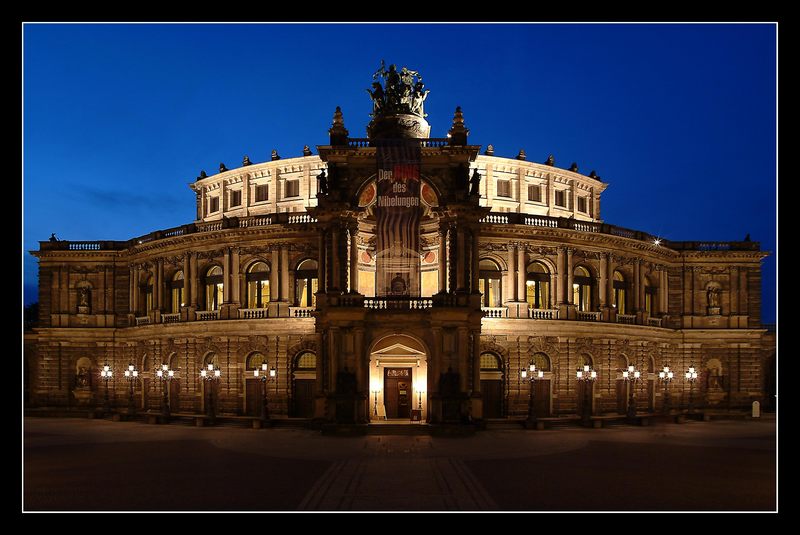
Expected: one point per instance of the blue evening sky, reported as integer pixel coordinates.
(680, 120)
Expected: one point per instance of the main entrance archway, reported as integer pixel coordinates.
(398, 378)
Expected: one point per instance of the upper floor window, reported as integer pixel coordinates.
(504, 188)
(561, 198)
(650, 296)
(306, 283)
(213, 205)
(292, 188)
(148, 294)
(582, 289)
(262, 192)
(213, 288)
(257, 285)
(620, 293)
(176, 292)
(490, 277)
(236, 198)
(535, 192)
(582, 204)
(537, 286)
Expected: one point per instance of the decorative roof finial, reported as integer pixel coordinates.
(222, 167)
(247, 161)
(458, 132)
(550, 160)
(594, 175)
(275, 155)
(521, 155)
(338, 132)
(574, 167)
(489, 150)
(306, 151)
(202, 175)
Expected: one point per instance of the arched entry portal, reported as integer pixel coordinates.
(398, 379)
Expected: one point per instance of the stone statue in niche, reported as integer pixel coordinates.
(713, 300)
(84, 300)
(83, 381)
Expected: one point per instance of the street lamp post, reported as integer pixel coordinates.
(210, 374)
(165, 375)
(106, 375)
(531, 374)
(666, 376)
(588, 376)
(631, 375)
(265, 375)
(375, 387)
(691, 376)
(131, 374)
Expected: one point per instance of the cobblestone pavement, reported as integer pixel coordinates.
(99, 465)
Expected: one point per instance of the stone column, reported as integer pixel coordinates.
(194, 280)
(246, 194)
(687, 290)
(322, 265)
(663, 300)
(461, 263)
(135, 293)
(284, 294)
(235, 277)
(521, 274)
(442, 258)
(273, 275)
(452, 260)
(475, 283)
(570, 276)
(511, 285)
(226, 276)
(434, 360)
(187, 278)
(603, 293)
(744, 308)
(159, 302)
(353, 229)
(734, 278)
(559, 284)
(334, 260)
(477, 401)
(463, 356)
(637, 285)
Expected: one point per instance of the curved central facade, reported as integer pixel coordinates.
(399, 276)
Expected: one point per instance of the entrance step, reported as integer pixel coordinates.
(399, 429)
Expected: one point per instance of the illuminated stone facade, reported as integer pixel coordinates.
(517, 267)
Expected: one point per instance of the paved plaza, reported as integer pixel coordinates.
(99, 465)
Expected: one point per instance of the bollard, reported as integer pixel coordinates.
(756, 409)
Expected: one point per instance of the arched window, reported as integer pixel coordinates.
(213, 286)
(306, 283)
(176, 292)
(537, 286)
(254, 361)
(650, 294)
(148, 294)
(620, 293)
(490, 284)
(582, 289)
(489, 361)
(542, 361)
(306, 361)
(257, 285)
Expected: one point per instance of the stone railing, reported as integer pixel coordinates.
(253, 313)
(171, 318)
(255, 221)
(361, 142)
(584, 315)
(543, 313)
(143, 320)
(301, 218)
(654, 322)
(514, 218)
(207, 315)
(301, 312)
(395, 303)
(627, 319)
(494, 312)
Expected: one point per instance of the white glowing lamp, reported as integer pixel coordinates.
(217, 373)
(255, 372)
(203, 373)
(523, 373)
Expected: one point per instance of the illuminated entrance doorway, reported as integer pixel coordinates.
(398, 376)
